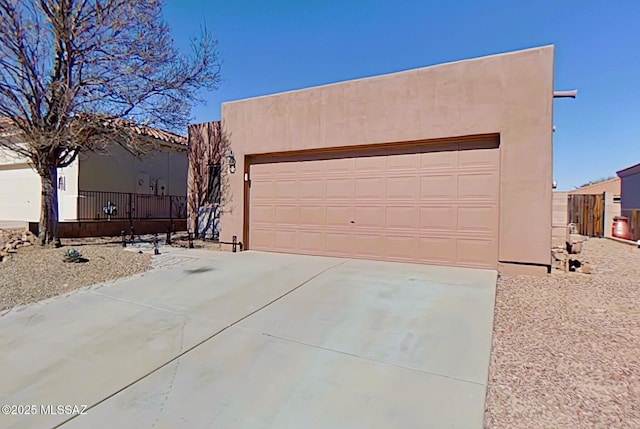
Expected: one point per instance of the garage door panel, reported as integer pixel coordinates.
(370, 216)
(316, 167)
(370, 188)
(476, 251)
(339, 244)
(437, 249)
(289, 214)
(370, 164)
(371, 244)
(478, 158)
(404, 162)
(286, 239)
(340, 189)
(480, 219)
(264, 214)
(345, 165)
(402, 188)
(312, 215)
(312, 189)
(287, 190)
(339, 215)
(432, 159)
(441, 218)
(478, 186)
(402, 217)
(401, 247)
(285, 168)
(432, 205)
(438, 187)
(262, 190)
(263, 172)
(312, 241)
(262, 238)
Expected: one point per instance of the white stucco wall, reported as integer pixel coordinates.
(115, 171)
(68, 192)
(20, 190)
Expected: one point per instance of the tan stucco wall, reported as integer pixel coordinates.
(119, 171)
(612, 186)
(510, 94)
(611, 210)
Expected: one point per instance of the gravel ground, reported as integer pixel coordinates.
(34, 274)
(566, 348)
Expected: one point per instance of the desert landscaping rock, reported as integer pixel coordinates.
(30, 274)
(566, 348)
(33, 274)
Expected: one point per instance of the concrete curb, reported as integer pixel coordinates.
(622, 240)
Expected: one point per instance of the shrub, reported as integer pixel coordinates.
(73, 255)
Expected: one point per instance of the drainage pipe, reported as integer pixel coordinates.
(565, 94)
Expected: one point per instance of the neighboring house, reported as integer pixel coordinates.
(611, 186)
(447, 165)
(604, 213)
(630, 197)
(136, 188)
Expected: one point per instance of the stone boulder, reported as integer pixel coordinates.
(12, 240)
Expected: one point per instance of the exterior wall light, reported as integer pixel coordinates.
(232, 162)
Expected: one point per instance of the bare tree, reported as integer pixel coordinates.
(208, 146)
(76, 73)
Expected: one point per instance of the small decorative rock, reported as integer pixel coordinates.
(586, 269)
(11, 241)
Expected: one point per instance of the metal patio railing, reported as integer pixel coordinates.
(100, 205)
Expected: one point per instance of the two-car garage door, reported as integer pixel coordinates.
(431, 203)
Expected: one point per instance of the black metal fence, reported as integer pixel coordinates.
(99, 205)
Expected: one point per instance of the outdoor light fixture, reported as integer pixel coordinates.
(232, 162)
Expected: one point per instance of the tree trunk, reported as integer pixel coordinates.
(48, 231)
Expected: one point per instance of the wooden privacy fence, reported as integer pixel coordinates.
(587, 213)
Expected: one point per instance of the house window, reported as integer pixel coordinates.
(214, 188)
(62, 185)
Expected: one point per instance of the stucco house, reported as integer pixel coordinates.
(630, 197)
(97, 186)
(610, 186)
(447, 165)
(609, 210)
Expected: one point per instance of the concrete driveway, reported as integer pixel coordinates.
(256, 340)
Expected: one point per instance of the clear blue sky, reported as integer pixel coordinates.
(279, 45)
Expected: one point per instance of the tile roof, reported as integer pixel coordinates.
(156, 133)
